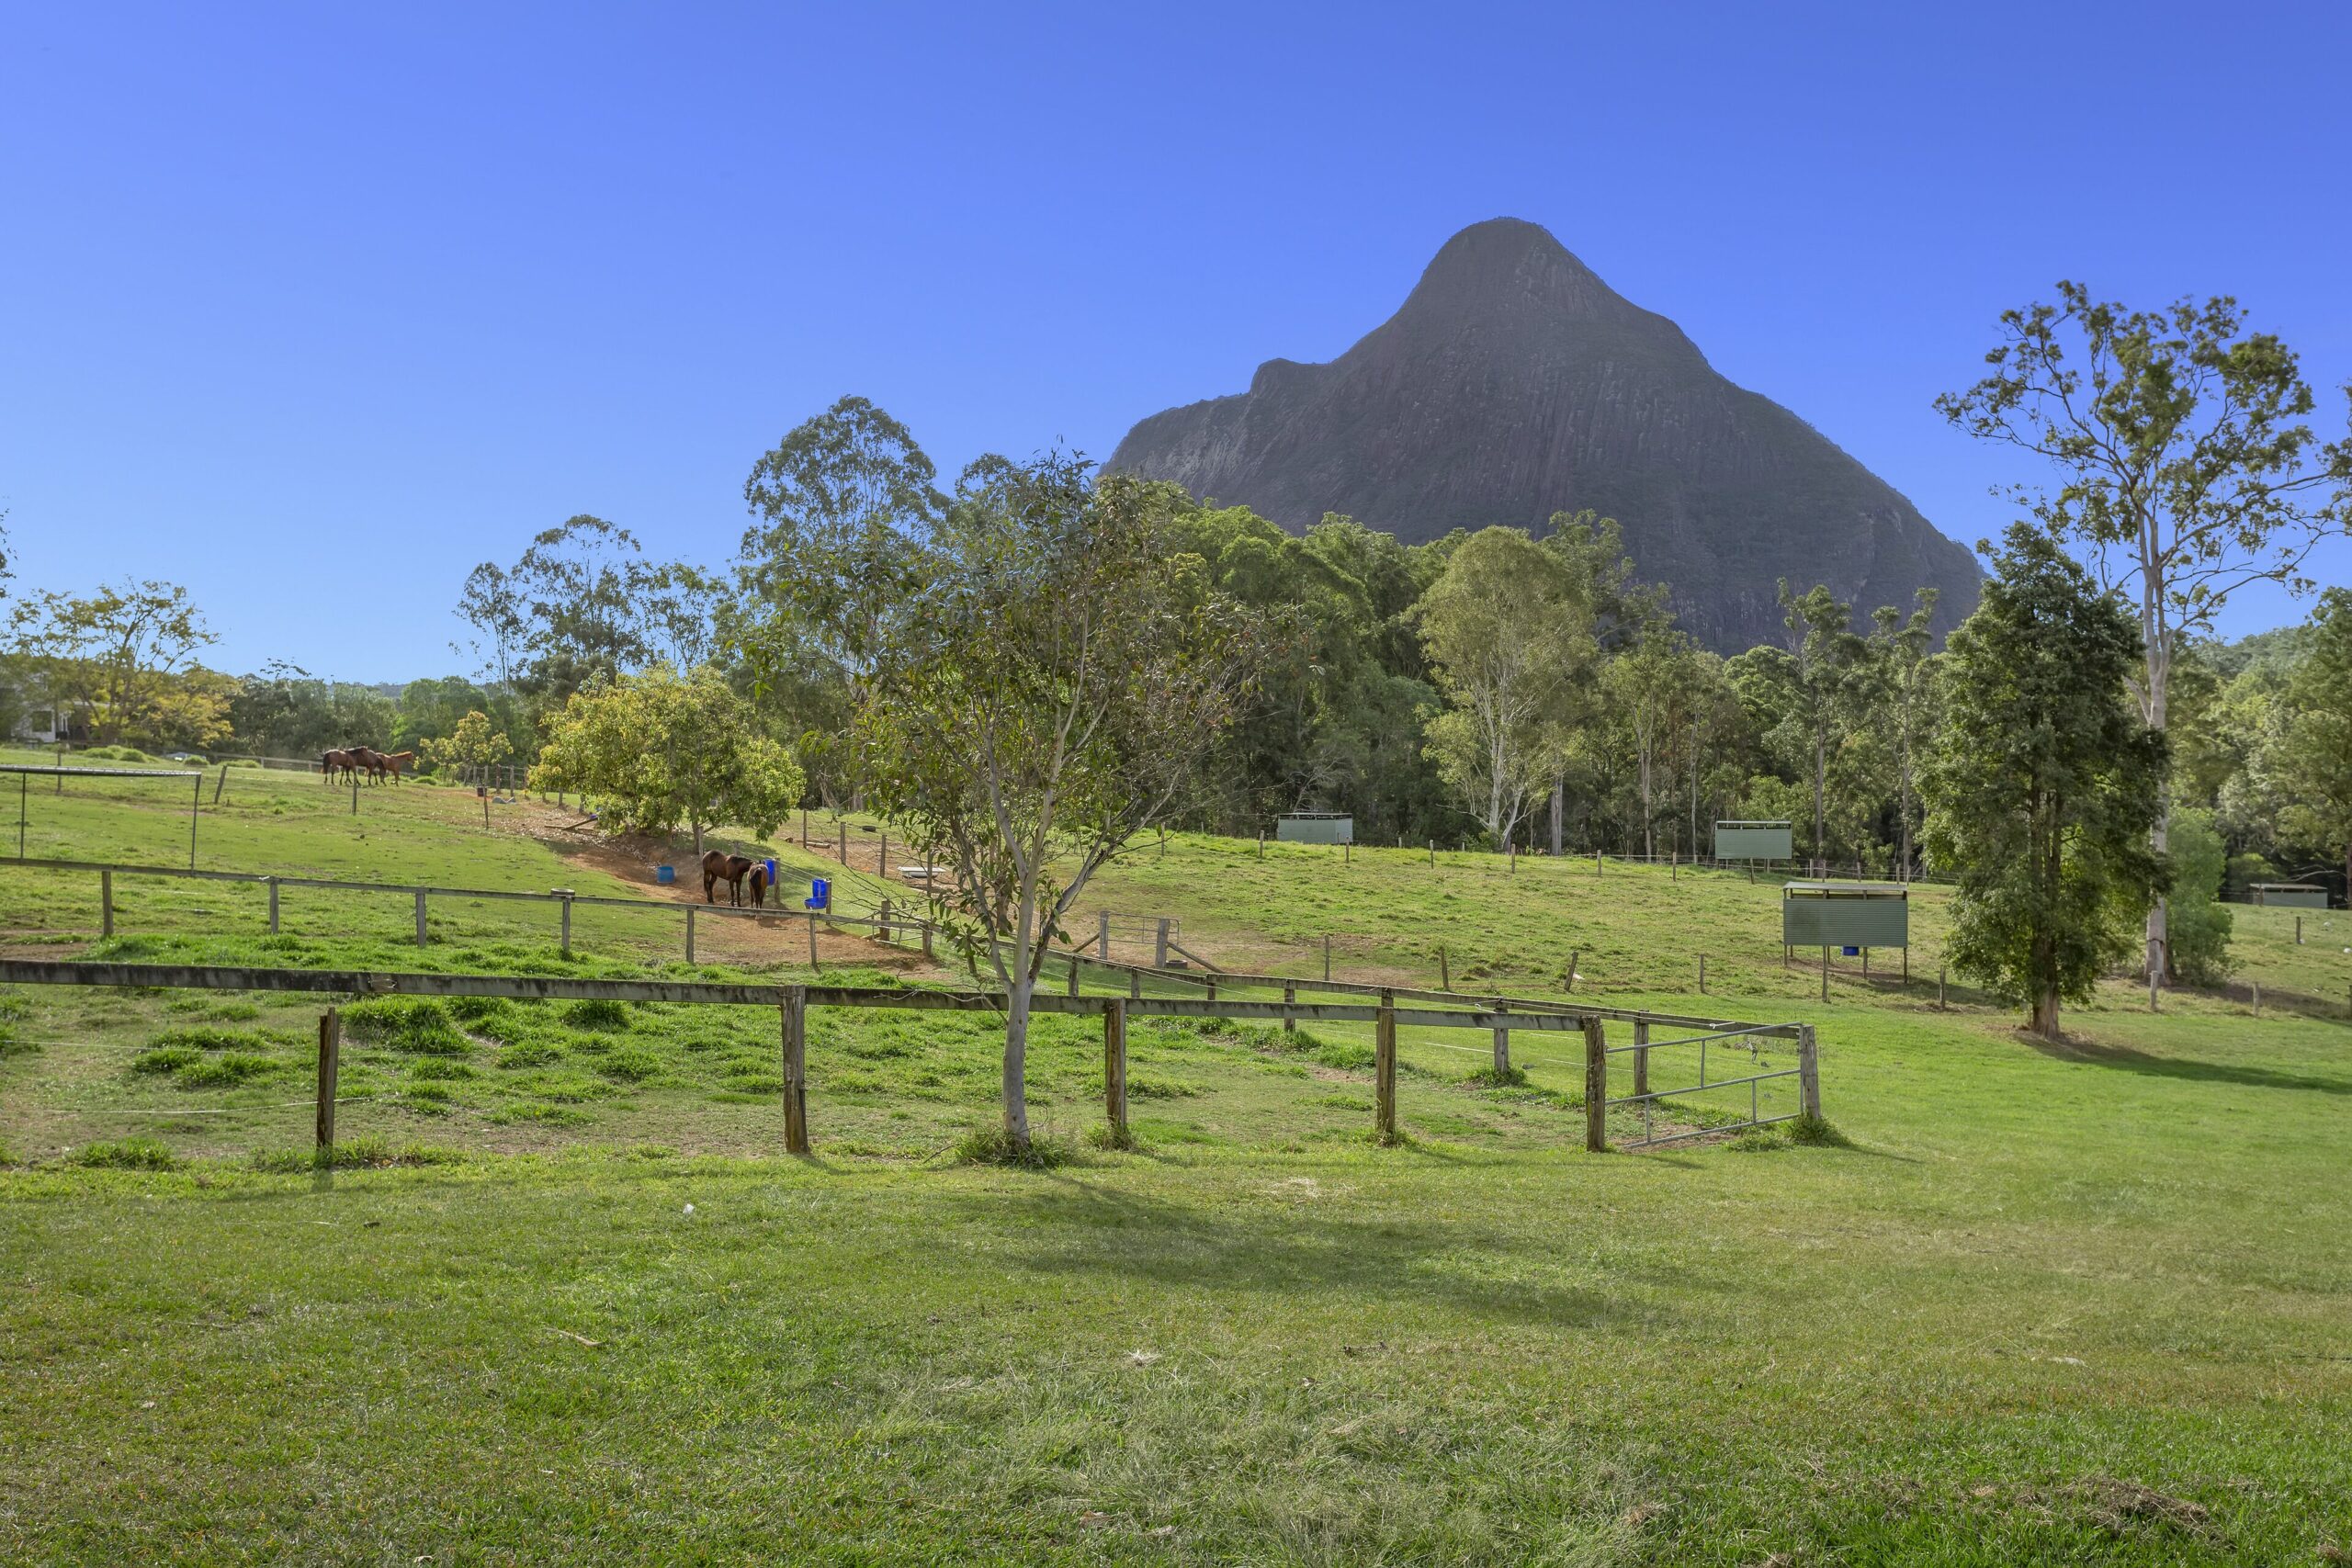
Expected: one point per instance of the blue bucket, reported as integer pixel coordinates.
(770, 870)
(665, 874)
(820, 890)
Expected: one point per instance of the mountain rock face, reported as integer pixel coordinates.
(1514, 383)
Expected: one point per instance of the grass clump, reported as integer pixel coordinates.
(127, 1154)
(1815, 1132)
(598, 1013)
(993, 1146)
(1102, 1135)
(355, 1154)
(225, 1071)
(1498, 1078)
(630, 1064)
(166, 1059)
(418, 1025)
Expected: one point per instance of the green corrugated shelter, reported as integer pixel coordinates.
(1755, 840)
(1315, 828)
(1845, 914)
(2288, 895)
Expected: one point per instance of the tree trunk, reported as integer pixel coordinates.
(1016, 1056)
(696, 823)
(2045, 1015)
(1559, 810)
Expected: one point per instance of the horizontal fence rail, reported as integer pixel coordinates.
(795, 999)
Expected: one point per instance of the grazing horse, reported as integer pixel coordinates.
(371, 759)
(334, 762)
(733, 868)
(760, 886)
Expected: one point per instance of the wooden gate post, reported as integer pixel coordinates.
(1642, 1055)
(420, 919)
(1596, 1084)
(1502, 1044)
(105, 903)
(796, 1069)
(1808, 1074)
(1383, 1069)
(1114, 1069)
(330, 1049)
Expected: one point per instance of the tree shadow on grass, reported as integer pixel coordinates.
(1073, 1226)
(2186, 1067)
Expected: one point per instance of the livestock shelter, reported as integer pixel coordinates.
(1754, 840)
(1315, 828)
(1858, 915)
(2289, 895)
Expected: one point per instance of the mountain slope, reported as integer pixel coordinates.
(1514, 383)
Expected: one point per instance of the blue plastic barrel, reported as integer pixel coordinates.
(820, 892)
(665, 874)
(770, 870)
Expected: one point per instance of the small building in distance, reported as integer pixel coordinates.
(1315, 828)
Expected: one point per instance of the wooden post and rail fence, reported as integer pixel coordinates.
(794, 1001)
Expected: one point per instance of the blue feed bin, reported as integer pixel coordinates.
(665, 874)
(770, 870)
(821, 891)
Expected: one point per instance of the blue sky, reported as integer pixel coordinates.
(311, 307)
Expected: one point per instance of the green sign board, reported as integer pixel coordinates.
(2289, 895)
(1852, 914)
(1315, 829)
(1754, 840)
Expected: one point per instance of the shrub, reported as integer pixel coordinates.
(15, 1007)
(1815, 1132)
(419, 1025)
(130, 1153)
(166, 1059)
(597, 1013)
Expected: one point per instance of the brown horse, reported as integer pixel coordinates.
(396, 763)
(334, 762)
(760, 885)
(733, 868)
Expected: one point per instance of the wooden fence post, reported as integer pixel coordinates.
(1445, 974)
(1134, 984)
(1569, 980)
(1825, 974)
(1596, 1084)
(1383, 1069)
(1327, 955)
(1159, 948)
(105, 903)
(812, 942)
(926, 938)
(844, 848)
(567, 925)
(1642, 1054)
(1290, 999)
(1114, 1069)
(796, 1069)
(330, 1049)
(1941, 969)
(420, 919)
(1103, 936)
(1808, 1074)
(1073, 974)
(1502, 1044)
(690, 933)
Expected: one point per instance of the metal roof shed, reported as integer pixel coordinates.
(2290, 895)
(1845, 914)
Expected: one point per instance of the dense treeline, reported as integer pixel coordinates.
(1506, 685)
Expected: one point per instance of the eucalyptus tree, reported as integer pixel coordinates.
(1904, 667)
(1043, 668)
(2186, 465)
(2311, 756)
(1509, 632)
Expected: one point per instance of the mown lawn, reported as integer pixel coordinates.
(2065, 1306)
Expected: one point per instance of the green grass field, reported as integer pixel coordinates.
(568, 1304)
